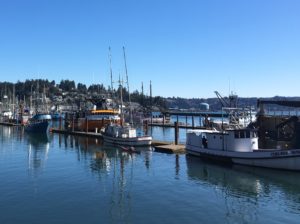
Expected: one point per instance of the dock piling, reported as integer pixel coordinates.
(86, 125)
(176, 132)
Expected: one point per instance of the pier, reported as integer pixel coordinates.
(9, 124)
(160, 146)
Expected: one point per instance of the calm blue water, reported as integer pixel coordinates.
(61, 179)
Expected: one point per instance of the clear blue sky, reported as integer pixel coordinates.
(188, 48)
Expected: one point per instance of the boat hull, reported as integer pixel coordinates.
(40, 126)
(276, 159)
(83, 124)
(136, 141)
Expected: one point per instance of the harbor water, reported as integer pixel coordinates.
(64, 179)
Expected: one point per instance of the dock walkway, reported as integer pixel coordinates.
(160, 146)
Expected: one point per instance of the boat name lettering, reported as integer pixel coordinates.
(279, 153)
(284, 153)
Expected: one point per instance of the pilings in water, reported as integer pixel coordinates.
(176, 133)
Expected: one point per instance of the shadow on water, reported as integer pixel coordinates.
(236, 181)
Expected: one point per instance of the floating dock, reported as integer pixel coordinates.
(170, 148)
(159, 146)
(9, 124)
(78, 133)
(169, 125)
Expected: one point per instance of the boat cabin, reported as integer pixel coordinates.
(238, 140)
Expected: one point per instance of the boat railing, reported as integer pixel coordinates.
(238, 117)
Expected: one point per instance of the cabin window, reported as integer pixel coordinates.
(247, 134)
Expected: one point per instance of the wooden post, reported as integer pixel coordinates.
(73, 118)
(176, 132)
(186, 123)
(163, 119)
(86, 125)
(60, 123)
(146, 126)
(177, 119)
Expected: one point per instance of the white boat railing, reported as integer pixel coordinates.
(239, 117)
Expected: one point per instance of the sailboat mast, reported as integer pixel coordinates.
(127, 86)
(13, 101)
(151, 100)
(121, 97)
(111, 78)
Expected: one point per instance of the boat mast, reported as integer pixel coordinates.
(142, 94)
(13, 101)
(131, 122)
(111, 78)
(30, 100)
(151, 100)
(121, 97)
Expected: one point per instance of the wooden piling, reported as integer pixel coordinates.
(86, 125)
(73, 123)
(60, 123)
(176, 132)
(146, 127)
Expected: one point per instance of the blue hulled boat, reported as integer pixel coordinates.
(38, 123)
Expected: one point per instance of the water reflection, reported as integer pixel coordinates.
(245, 189)
(38, 149)
(115, 170)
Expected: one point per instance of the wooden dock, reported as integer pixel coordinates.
(9, 124)
(160, 146)
(170, 125)
(170, 148)
(78, 133)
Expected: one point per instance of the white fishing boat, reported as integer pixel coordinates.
(240, 146)
(124, 135)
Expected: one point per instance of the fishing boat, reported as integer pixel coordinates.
(124, 135)
(120, 133)
(38, 123)
(238, 144)
(102, 114)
